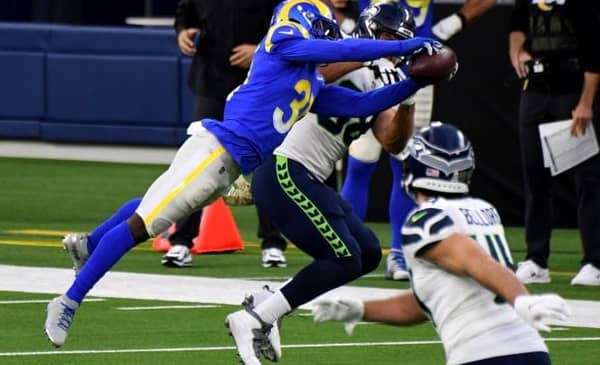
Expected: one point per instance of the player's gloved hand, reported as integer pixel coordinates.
(448, 27)
(239, 193)
(350, 311)
(417, 44)
(538, 309)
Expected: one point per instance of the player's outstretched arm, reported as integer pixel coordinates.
(337, 101)
(461, 255)
(394, 127)
(401, 310)
(454, 23)
(349, 49)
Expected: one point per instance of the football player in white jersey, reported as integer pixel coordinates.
(460, 266)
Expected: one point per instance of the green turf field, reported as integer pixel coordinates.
(43, 199)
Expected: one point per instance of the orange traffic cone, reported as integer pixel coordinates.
(161, 242)
(218, 231)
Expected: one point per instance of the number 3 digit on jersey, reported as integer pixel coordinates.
(298, 107)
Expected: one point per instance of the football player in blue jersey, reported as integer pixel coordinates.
(364, 153)
(282, 86)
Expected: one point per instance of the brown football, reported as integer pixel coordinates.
(431, 68)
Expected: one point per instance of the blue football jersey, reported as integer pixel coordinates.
(422, 11)
(283, 84)
(276, 94)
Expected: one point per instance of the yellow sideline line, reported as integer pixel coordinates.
(39, 232)
(30, 243)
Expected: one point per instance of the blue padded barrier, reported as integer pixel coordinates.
(113, 40)
(124, 85)
(114, 89)
(19, 129)
(24, 37)
(107, 133)
(22, 80)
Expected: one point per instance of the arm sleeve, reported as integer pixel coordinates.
(349, 49)
(337, 101)
(519, 17)
(186, 16)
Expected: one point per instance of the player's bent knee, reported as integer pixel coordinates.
(137, 228)
(352, 267)
(371, 259)
(157, 226)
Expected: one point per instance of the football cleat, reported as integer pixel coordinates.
(396, 266)
(177, 256)
(273, 257)
(528, 272)
(59, 317)
(589, 275)
(271, 350)
(76, 246)
(250, 335)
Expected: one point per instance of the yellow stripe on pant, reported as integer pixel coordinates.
(188, 179)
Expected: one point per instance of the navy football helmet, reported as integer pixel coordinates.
(440, 159)
(312, 15)
(389, 17)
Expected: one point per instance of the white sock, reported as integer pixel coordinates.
(273, 308)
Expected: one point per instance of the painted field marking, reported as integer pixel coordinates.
(159, 307)
(296, 346)
(32, 301)
(57, 243)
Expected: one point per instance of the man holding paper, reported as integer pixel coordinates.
(553, 48)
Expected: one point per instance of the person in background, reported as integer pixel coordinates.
(554, 50)
(364, 153)
(221, 37)
(460, 266)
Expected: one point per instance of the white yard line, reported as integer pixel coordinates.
(160, 307)
(193, 289)
(228, 348)
(34, 301)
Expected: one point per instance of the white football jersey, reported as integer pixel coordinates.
(318, 142)
(472, 322)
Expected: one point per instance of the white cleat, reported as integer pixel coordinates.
(59, 317)
(76, 246)
(528, 272)
(177, 256)
(589, 275)
(273, 257)
(249, 335)
(272, 349)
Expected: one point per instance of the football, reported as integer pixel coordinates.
(431, 68)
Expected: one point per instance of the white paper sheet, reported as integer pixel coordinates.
(560, 150)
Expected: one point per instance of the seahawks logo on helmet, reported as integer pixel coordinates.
(389, 17)
(439, 158)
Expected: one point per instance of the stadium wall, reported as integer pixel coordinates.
(121, 85)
